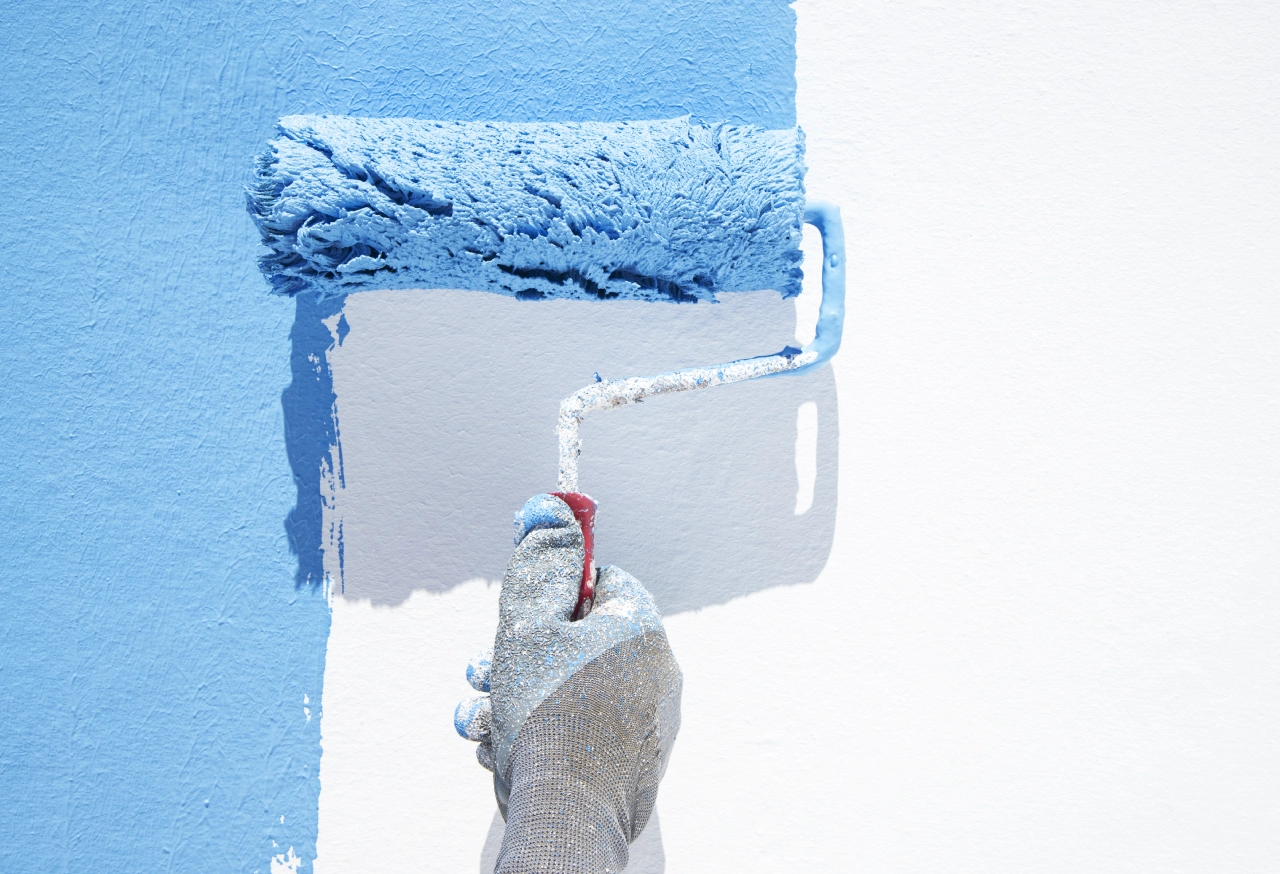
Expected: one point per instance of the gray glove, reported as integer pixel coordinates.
(581, 716)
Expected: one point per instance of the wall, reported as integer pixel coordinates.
(165, 622)
(1045, 636)
(1048, 628)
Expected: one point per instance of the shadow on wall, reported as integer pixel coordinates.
(448, 401)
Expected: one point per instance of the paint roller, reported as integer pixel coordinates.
(671, 210)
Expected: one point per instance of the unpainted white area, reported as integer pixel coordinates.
(285, 863)
(1046, 638)
(809, 301)
(806, 455)
(397, 785)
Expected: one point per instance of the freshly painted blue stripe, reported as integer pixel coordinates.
(155, 649)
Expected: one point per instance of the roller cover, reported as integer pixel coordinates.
(648, 210)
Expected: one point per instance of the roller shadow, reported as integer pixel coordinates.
(447, 403)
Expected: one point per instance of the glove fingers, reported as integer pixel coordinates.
(478, 670)
(541, 511)
(543, 575)
(620, 594)
(473, 717)
(484, 755)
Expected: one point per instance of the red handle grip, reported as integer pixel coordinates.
(584, 510)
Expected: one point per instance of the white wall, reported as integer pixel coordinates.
(1046, 635)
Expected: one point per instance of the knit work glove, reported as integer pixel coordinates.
(581, 716)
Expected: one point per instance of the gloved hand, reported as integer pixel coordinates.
(581, 716)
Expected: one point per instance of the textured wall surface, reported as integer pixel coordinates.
(161, 649)
(1047, 635)
(1049, 630)
(1047, 638)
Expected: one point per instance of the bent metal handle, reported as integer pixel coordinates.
(608, 393)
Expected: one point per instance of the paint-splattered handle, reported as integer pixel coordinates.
(584, 510)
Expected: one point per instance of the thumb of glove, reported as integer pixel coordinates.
(542, 579)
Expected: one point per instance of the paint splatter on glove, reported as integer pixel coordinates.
(581, 716)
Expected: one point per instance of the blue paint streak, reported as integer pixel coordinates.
(311, 431)
(154, 648)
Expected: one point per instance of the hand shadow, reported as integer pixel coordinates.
(446, 410)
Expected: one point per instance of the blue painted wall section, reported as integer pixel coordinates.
(159, 638)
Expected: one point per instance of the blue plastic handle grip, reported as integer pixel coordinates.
(826, 341)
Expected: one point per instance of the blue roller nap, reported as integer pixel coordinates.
(652, 210)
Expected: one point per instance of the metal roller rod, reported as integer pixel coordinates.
(607, 394)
